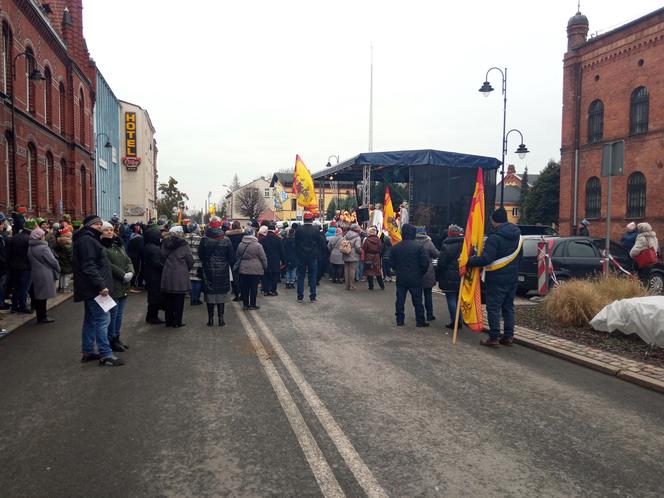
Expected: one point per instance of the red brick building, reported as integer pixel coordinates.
(613, 89)
(52, 170)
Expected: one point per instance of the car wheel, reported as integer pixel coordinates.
(655, 283)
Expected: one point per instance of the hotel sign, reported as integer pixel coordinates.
(131, 159)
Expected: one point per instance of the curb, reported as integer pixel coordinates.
(600, 366)
(16, 322)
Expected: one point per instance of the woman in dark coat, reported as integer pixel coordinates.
(274, 252)
(152, 268)
(235, 235)
(44, 272)
(217, 257)
(175, 282)
(290, 256)
(371, 250)
(447, 271)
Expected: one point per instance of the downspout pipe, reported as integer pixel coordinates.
(577, 141)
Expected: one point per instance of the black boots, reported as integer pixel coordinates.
(220, 314)
(210, 310)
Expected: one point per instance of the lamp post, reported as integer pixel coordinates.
(35, 75)
(486, 89)
(336, 184)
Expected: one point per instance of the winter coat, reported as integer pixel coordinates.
(50, 239)
(447, 271)
(235, 236)
(584, 232)
(217, 256)
(178, 262)
(120, 265)
(501, 242)
(44, 269)
(64, 252)
(17, 258)
(628, 239)
(385, 246)
(307, 242)
(323, 254)
(253, 259)
(356, 245)
(90, 265)
(336, 258)
(646, 239)
(194, 241)
(4, 252)
(274, 252)
(429, 278)
(135, 247)
(152, 265)
(372, 260)
(290, 253)
(408, 259)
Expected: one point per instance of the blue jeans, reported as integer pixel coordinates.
(20, 285)
(115, 323)
(95, 329)
(416, 297)
(195, 292)
(452, 299)
(500, 298)
(291, 275)
(310, 266)
(359, 271)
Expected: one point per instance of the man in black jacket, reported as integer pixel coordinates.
(410, 263)
(501, 256)
(307, 246)
(93, 277)
(19, 266)
(274, 252)
(447, 271)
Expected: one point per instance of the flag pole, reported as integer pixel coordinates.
(458, 310)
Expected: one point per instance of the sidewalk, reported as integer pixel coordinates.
(11, 321)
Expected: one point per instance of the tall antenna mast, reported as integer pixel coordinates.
(371, 105)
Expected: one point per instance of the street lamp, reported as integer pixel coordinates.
(336, 184)
(108, 144)
(35, 75)
(486, 89)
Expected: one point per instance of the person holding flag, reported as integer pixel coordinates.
(500, 260)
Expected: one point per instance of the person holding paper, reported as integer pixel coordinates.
(92, 278)
(123, 271)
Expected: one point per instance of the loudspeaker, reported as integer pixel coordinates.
(362, 214)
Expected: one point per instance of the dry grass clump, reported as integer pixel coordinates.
(576, 302)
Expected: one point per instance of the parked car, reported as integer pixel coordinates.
(538, 230)
(581, 257)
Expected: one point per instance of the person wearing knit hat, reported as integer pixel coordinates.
(18, 264)
(584, 231)
(43, 269)
(500, 258)
(93, 278)
(629, 237)
(447, 270)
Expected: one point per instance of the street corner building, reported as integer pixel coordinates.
(47, 82)
(613, 90)
(138, 149)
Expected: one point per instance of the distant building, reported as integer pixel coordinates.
(512, 193)
(613, 89)
(107, 142)
(234, 205)
(138, 164)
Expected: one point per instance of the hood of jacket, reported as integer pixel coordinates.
(152, 236)
(350, 235)
(237, 231)
(37, 242)
(86, 232)
(644, 227)
(508, 231)
(408, 231)
(173, 243)
(249, 239)
(422, 237)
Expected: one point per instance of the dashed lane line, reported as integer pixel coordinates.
(355, 463)
(321, 469)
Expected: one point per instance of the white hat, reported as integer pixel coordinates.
(106, 225)
(176, 229)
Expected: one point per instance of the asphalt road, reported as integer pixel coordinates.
(324, 399)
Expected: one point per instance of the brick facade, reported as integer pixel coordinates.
(609, 68)
(54, 167)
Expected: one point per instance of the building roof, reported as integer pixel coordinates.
(512, 194)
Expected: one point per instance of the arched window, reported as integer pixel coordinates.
(32, 176)
(81, 115)
(638, 111)
(84, 191)
(7, 52)
(30, 84)
(61, 108)
(595, 121)
(593, 198)
(50, 183)
(636, 196)
(48, 96)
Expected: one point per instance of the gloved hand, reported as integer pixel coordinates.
(127, 277)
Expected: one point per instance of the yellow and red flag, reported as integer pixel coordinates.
(303, 187)
(470, 299)
(389, 218)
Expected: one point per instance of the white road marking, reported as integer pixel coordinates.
(322, 472)
(359, 469)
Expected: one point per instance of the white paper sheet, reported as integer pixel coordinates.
(105, 302)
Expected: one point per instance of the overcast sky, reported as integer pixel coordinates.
(242, 87)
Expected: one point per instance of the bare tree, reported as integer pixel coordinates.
(250, 202)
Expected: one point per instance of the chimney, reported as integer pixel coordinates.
(511, 170)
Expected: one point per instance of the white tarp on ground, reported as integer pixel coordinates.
(643, 316)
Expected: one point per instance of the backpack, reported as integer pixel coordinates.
(345, 247)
